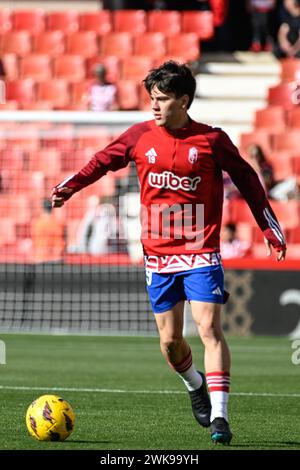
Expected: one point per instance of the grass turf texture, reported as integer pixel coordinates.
(143, 418)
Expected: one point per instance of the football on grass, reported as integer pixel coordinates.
(50, 418)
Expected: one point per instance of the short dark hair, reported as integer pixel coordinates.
(172, 77)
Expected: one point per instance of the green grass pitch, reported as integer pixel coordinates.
(125, 396)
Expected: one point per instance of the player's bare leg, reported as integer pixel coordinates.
(178, 354)
(217, 361)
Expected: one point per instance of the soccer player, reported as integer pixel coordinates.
(179, 164)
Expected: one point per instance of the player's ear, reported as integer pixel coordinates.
(184, 101)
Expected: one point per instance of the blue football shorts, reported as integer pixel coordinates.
(205, 284)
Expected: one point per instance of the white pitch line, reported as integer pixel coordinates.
(154, 392)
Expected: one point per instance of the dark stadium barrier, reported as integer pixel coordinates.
(100, 299)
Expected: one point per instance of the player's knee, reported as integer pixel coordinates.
(210, 330)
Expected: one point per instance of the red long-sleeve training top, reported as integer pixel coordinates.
(180, 174)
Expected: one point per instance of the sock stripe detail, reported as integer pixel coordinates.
(185, 364)
(221, 388)
(219, 373)
(218, 381)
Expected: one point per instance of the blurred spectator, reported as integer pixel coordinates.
(262, 167)
(260, 11)
(285, 190)
(48, 235)
(2, 70)
(231, 246)
(288, 37)
(130, 208)
(101, 95)
(98, 228)
(278, 190)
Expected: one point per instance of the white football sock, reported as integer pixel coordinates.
(219, 401)
(191, 378)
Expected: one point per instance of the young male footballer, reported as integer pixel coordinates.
(179, 164)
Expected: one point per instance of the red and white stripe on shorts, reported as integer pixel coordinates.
(218, 381)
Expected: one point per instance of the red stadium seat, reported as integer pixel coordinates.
(8, 232)
(150, 44)
(15, 206)
(282, 164)
(104, 187)
(24, 137)
(78, 92)
(240, 212)
(290, 69)
(47, 161)
(56, 91)
(66, 21)
(293, 117)
(144, 99)
(74, 160)
(21, 91)
(77, 208)
(16, 42)
(288, 213)
(70, 67)
(259, 137)
(199, 22)
(186, 45)
(128, 94)
(49, 42)
(36, 66)
(12, 159)
(9, 105)
(131, 21)
(272, 117)
(287, 141)
(295, 162)
(293, 235)
(294, 251)
(284, 94)
(259, 250)
(257, 235)
(10, 62)
(28, 183)
(83, 43)
(117, 44)
(136, 67)
(112, 66)
(5, 20)
(163, 21)
(98, 21)
(40, 105)
(59, 137)
(29, 20)
(92, 138)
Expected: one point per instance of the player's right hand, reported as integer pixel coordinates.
(57, 196)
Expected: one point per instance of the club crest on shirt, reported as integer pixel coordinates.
(193, 155)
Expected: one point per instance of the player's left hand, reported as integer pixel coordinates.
(280, 255)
